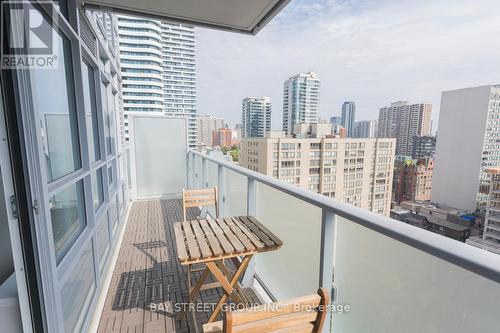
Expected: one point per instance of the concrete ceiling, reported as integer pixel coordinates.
(245, 16)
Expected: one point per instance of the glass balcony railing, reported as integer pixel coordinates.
(385, 276)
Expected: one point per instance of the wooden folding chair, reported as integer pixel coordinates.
(198, 198)
(304, 314)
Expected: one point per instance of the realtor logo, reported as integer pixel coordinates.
(29, 35)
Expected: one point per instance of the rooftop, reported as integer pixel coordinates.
(446, 224)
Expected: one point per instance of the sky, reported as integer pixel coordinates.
(371, 52)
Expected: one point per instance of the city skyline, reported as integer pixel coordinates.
(357, 52)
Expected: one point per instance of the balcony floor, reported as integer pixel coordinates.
(148, 272)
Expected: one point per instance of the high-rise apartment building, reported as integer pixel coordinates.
(490, 240)
(300, 100)
(255, 117)
(467, 145)
(365, 129)
(412, 179)
(404, 121)
(207, 124)
(348, 116)
(355, 171)
(336, 122)
(423, 146)
(223, 137)
(158, 69)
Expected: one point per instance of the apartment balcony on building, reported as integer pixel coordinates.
(87, 210)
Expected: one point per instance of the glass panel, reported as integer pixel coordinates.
(77, 291)
(111, 175)
(236, 194)
(55, 105)
(68, 217)
(90, 112)
(109, 117)
(97, 188)
(113, 214)
(102, 239)
(106, 112)
(293, 270)
(112, 123)
(120, 199)
(212, 179)
(412, 291)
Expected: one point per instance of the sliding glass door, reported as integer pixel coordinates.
(69, 111)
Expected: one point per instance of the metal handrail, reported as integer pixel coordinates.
(468, 257)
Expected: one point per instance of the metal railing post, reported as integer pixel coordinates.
(204, 172)
(222, 188)
(251, 196)
(247, 279)
(328, 221)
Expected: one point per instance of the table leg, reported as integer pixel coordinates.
(195, 290)
(238, 295)
(227, 285)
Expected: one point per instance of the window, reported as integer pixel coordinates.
(77, 291)
(59, 128)
(108, 111)
(68, 218)
(113, 214)
(102, 239)
(90, 112)
(97, 188)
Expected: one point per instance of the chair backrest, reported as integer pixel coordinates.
(200, 198)
(303, 314)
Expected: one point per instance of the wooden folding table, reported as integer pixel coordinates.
(211, 241)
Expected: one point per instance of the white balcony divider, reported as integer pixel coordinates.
(393, 277)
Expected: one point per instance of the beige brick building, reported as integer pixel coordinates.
(355, 171)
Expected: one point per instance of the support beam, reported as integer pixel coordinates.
(247, 279)
(222, 189)
(328, 221)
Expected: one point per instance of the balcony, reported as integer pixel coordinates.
(86, 237)
(148, 279)
(385, 276)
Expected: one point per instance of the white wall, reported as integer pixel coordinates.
(462, 124)
(158, 149)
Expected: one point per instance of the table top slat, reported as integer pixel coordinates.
(262, 236)
(274, 238)
(230, 235)
(206, 240)
(212, 240)
(179, 237)
(201, 238)
(255, 240)
(228, 248)
(194, 252)
(239, 233)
